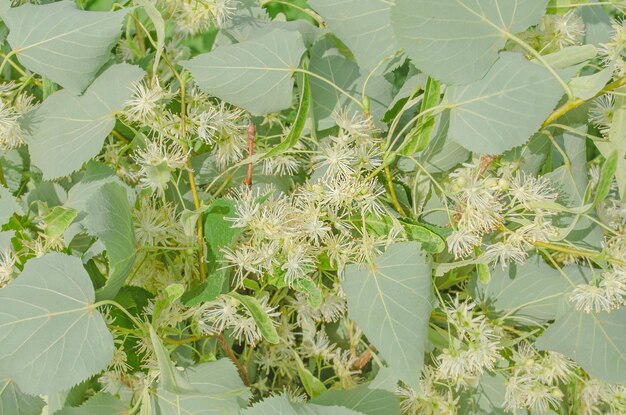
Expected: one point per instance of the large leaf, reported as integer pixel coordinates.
(100, 404)
(67, 130)
(62, 42)
(14, 402)
(532, 290)
(363, 25)
(110, 220)
(596, 341)
(505, 108)
(363, 399)
(255, 75)
(329, 63)
(389, 300)
(457, 41)
(51, 336)
(281, 405)
(220, 391)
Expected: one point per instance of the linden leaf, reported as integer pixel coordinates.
(255, 74)
(363, 25)
(14, 402)
(67, 130)
(51, 337)
(390, 302)
(109, 218)
(457, 41)
(596, 341)
(505, 108)
(62, 42)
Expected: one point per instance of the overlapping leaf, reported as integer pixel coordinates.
(505, 108)
(62, 42)
(109, 218)
(51, 337)
(363, 25)
(68, 130)
(389, 300)
(255, 75)
(220, 391)
(14, 402)
(596, 341)
(457, 41)
(282, 405)
(100, 404)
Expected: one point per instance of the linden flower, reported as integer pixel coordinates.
(462, 243)
(157, 160)
(602, 111)
(144, 102)
(7, 262)
(11, 134)
(591, 298)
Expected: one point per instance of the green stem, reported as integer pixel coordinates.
(571, 105)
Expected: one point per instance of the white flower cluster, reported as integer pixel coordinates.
(473, 350)
(228, 313)
(515, 205)
(534, 380)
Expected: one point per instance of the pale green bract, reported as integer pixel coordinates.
(390, 301)
(457, 41)
(596, 341)
(51, 336)
(505, 108)
(68, 130)
(255, 75)
(62, 42)
(363, 25)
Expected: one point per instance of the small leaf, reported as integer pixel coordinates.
(54, 299)
(170, 295)
(100, 404)
(310, 289)
(389, 300)
(458, 41)
(607, 172)
(62, 42)
(67, 130)
(170, 378)
(419, 138)
(110, 220)
(312, 385)
(298, 125)
(255, 74)
(262, 320)
(220, 234)
(58, 220)
(14, 402)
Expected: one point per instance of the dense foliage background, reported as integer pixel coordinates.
(315, 207)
